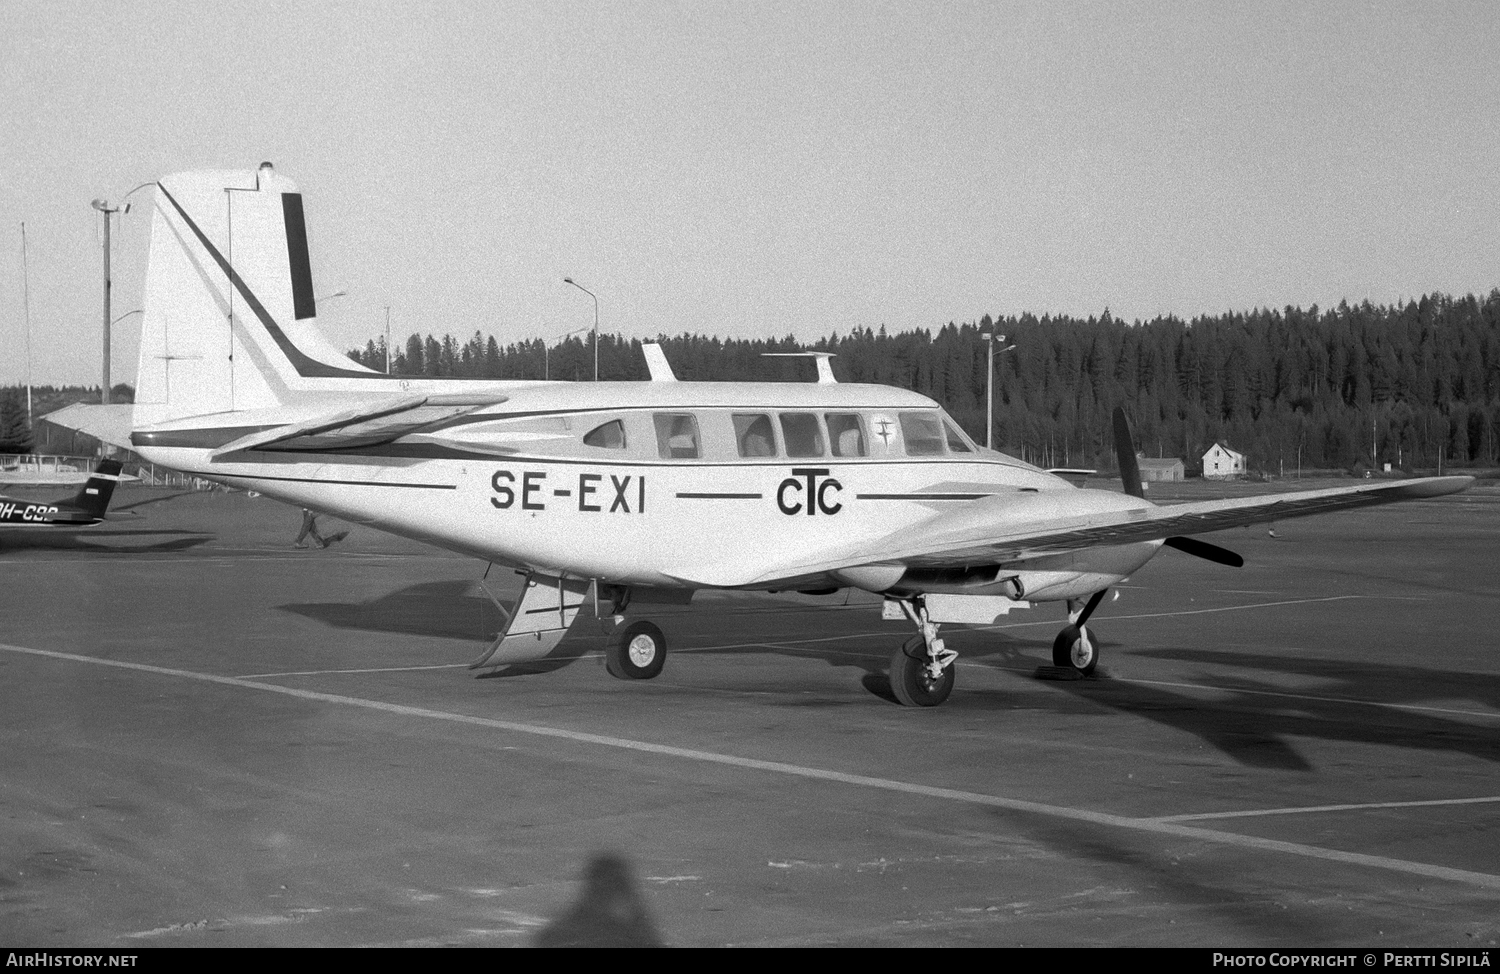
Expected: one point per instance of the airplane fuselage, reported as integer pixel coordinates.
(25, 512)
(650, 484)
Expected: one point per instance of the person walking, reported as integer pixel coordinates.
(309, 528)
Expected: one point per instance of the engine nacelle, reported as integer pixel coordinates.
(871, 578)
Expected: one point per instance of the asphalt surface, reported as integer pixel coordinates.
(208, 737)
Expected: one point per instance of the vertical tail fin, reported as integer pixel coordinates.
(230, 316)
(93, 499)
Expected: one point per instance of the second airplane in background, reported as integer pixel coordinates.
(86, 507)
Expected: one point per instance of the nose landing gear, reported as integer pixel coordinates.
(922, 669)
(1074, 647)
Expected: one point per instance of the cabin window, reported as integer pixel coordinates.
(802, 434)
(922, 433)
(610, 436)
(676, 436)
(957, 442)
(846, 435)
(754, 435)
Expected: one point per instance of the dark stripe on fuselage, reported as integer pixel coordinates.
(216, 475)
(436, 451)
(921, 497)
(211, 438)
(710, 496)
(195, 439)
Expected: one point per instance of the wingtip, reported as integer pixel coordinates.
(1438, 486)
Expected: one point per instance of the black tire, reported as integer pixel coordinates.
(637, 652)
(1076, 649)
(910, 681)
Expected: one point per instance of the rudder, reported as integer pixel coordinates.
(94, 498)
(229, 317)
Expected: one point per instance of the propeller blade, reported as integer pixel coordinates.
(1130, 471)
(1202, 549)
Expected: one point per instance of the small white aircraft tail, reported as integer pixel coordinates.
(230, 317)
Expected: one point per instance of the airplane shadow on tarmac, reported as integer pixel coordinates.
(120, 541)
(1250, 723)
(1254, 723)
(452, 609)
(1257, 723)
(446, 609)
(122, 508)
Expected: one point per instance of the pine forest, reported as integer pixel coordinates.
(1416, 385)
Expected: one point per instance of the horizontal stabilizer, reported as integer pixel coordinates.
(375, 423)
(108, 424)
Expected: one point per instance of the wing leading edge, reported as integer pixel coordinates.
(1010, 528)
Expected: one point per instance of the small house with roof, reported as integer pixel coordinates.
(1161, 468)
(1222, 463)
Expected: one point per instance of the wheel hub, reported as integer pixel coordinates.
(642, 650)
(1083, 652)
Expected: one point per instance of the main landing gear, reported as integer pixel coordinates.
(635, 652)
(1074, 648)
(922, 669)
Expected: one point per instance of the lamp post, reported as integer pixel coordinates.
(989, 388)
(103, 207)
(569, 280)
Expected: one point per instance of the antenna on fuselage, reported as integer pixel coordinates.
(825, 367)
(656, 363)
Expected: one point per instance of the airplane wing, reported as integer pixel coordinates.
(370, 424)
(1008, 528)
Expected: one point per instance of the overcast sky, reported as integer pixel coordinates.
(761, 168)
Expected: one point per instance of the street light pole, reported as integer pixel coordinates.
(26, 298)
(989, 394)
(989, 388)
(103, 207)
(569, 280)
(107, 210)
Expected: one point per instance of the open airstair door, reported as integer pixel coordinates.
(538, 622)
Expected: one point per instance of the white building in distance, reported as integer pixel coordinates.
(1161, 469)
(1222, 463)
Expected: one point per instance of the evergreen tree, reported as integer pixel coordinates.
(1279, 385)
(15, 432)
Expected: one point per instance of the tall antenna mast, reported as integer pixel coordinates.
(26, 299)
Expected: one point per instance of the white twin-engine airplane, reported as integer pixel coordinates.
(621, 494)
